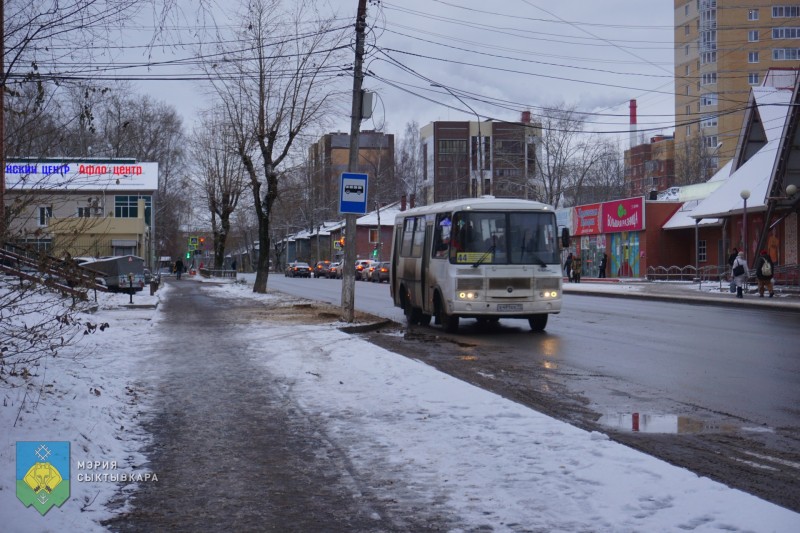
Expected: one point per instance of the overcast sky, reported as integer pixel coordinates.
(500, 58)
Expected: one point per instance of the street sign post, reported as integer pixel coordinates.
(353, 193)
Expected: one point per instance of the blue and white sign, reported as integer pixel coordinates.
(353, 193)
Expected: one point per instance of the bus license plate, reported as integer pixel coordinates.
(509, 307)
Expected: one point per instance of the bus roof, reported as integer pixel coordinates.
(484, 203)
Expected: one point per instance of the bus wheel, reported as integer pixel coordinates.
(412, 314)
(424, 319)
(449, 322)
(538, 322)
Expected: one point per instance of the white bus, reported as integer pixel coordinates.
(486, 258)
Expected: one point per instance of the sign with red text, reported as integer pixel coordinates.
(623, 215)
(586, 219)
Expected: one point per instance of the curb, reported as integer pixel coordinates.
(757, 303)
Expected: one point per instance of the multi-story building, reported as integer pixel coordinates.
(650, 166)
(722, 49)
(82, 207)
(470, 159)
(328, 158)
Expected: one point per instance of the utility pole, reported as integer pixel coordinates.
(2, 122)
(348, 269)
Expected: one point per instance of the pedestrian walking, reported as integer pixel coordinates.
(178, 268)
(731, 259)
(568, 266)
(576, 269)
(740, 274)
(601, 270)
(765, 269)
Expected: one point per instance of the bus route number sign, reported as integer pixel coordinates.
(353, 193)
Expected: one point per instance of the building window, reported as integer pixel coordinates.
(752, 57)
(708, 99)
(710, 141)
(752, 36)
(709, 57)
(688, 131)
(38, 245)
(752, 78)
(45, 214)
(686, 30)
(701, 251)
(373, 236)
(687, 70)
(128, 207)
(84, 212)
(785, 12)
(709, 78)
(686, 50)
(709, 121)
(785, 54)
(752, 14)
(785, 33)
(688, 111)
(686, 9)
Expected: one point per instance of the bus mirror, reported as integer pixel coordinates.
(565, 237)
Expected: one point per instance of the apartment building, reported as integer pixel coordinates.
(650, 167)
(329, 157)
(470, 159)
(722, 49)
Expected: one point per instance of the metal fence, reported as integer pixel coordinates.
(785, 277)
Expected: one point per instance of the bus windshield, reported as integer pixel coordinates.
(501, 238)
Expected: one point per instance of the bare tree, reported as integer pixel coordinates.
(272, 89)
(220, 178)
(568, 154)
(694, 162)
(408, 162)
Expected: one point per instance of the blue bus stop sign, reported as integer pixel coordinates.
(353, 193)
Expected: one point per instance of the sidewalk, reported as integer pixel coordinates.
(709, 293)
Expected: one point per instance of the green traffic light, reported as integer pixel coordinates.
(188, 255)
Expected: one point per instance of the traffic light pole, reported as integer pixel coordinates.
(349, 267)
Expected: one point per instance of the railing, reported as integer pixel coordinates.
(211, 273)
(785, 277)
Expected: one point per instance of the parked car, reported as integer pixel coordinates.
(381, 272)
(335, 270)
(298, 269)
(361, 266)
(321, 269)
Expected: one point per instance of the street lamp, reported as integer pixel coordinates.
(480, 137)
(745, 194)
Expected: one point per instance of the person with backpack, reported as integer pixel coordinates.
(765, 269)
(740, 274)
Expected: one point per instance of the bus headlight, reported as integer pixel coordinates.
(467, 295)
(550, 294)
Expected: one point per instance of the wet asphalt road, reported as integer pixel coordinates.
(230, 450)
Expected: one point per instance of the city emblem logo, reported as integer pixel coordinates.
(43, 474)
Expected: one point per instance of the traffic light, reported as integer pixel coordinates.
(375, 250)
(188, 255)
(202, 241)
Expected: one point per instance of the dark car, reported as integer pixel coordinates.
(298, 269)
(381, 272)
(321, 269)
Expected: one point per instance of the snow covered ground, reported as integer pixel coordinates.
(493, 462)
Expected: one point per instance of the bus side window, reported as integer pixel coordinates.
(441, 236)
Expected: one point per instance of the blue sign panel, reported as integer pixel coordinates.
(353, 193)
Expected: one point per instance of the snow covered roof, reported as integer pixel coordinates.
(755, 176)
(682, 218)
(771, 105)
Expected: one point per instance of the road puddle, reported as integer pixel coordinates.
(672, 424)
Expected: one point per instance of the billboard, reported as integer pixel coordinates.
(586, 219)
(623, 215)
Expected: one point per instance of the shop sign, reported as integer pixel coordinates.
(587, 219)
(623, 215)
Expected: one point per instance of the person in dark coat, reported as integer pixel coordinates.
(178, 268)
(764, 275)
(568, 266)
(601, 270)
(577, 267)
